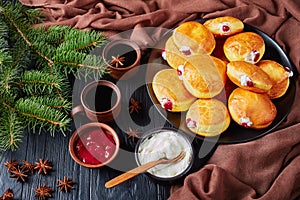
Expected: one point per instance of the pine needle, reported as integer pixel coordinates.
(11, 130)
(35, 66)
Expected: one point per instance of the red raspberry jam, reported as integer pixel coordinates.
(225, 28)
(167, 104)
(245, 124)
(185, 50)
(249, 83)
(256, 55)
(191, 123)
(179, 72)
(95, 147)
(163, 54)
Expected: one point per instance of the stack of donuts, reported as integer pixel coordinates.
(199, 74)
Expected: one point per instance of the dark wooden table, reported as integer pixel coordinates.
(90, 182)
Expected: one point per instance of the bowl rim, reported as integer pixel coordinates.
(177, 131)
(97, 83)
(80, 131)
(127, 42)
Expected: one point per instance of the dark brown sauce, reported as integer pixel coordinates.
(125, 51)
(101, 98)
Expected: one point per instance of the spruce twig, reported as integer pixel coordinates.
(38, 96)
(11, 130)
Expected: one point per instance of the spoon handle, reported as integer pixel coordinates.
(131, 173)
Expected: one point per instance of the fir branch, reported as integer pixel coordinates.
(40, 83)
(42, 116)
(73, 40)
(56, 103)
(55, 34)
(76, 40)
(33, 15)
(3, 31)
(35, 64)
(15, 16)
(8, 81)
(80, 63)
(11, 130)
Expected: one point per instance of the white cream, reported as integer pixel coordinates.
(164, 54)
(185, 50)
(180, 71)
(245, 121)
(251, 58)
(244, 79)
(169, 144)
(290, 72)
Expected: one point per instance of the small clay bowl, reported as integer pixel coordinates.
(82, 132)
(129, 55)
(96, 98)
(184, 138)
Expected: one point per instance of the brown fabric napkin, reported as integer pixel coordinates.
(266, 168)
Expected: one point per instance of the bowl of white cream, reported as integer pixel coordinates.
(165, 143)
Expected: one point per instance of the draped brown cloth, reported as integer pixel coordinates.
(266, 168)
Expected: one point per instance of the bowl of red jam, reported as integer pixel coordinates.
(94, 145)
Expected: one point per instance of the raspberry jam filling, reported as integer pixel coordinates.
(290, 72)
(185, 50)
(180, 71)
(224, 27)
(191, 123)
(166, 103)
(245, 122)
(246, 81)
(164, 54)
(95, 147)
(253, 56)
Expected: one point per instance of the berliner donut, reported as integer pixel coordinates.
(207, 117)
(246, 46)
(279, 75)
(250, 109)
(174, 56)
(201, 76)
(170, 91)
(249, 76)
(224, 26)
(194, 36)
(222, 67)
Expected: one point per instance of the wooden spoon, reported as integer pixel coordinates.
(136, 171)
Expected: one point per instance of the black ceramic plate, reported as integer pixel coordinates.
(235, 133)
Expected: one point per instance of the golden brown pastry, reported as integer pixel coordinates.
(222, 67)
(174, 56)
(201, 76)
(246, 46)
(279, 75)
(249, 76)
(224, 26)
(250, 109)
(170, 92)
(195, 37)
(207, 117)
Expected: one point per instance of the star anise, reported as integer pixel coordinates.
(28, 166)
(43, 166)
(12, 165)
(132, 134)
(117, 60)
(19, 174)
(135, 106)
(8, 195)
(65, 185)
(43, 192)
